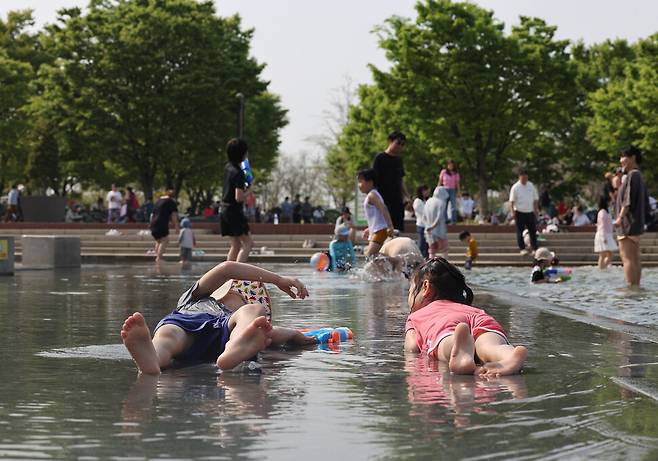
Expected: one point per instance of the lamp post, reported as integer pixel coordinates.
(240, 98)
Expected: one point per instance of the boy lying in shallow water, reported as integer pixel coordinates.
(443, 324)
(203, 328)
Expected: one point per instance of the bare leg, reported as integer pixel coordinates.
(152, 355)
(630, 257)
(373, 249)
(234, 250)
(281, 336)
(250, 334)
(499, 357)
(458, 350)
(247, 243)
(601, 262)
(160, 248)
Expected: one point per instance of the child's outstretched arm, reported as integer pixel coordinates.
(410, 342)
(227, 270)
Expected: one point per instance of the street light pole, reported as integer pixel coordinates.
(240, 97)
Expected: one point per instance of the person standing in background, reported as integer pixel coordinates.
(389, 174)
(631, 210)
(12, 204)
(114, 199)
(165, 212)
(233, 221)
(467, 205)
(422, 194)
(132, 203)
(449, 178)
(524, 203)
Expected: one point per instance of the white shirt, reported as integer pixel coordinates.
(376, 220)
(12, 197)
(116, 203)
(186, 238)
(524, 197)
(580, 220)
(467, 206)
(419, 210)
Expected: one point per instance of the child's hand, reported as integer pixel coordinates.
(366, 233)
(293, 287)
(390, 232)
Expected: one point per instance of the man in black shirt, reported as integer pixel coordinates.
(389, 172)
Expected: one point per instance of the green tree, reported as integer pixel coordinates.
(464, 89)
(18, 62)
(145, 90)
(625, 110)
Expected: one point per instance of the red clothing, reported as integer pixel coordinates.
(439, 319)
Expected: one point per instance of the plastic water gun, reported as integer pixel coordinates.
(246, 169)
(330, 335)
(558, 273)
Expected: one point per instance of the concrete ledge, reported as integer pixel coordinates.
(7, 250)
(50, 251)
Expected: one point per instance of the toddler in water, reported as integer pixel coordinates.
(186, 241)
(210, 324)
(380, 225)
(544, 258)
(443, 324)
(341, 251)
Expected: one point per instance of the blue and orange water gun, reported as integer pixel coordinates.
(246, 169)
(330, 335)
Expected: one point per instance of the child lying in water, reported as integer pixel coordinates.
(203, 328)
(442, 324)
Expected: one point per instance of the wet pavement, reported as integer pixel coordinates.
(70, 392)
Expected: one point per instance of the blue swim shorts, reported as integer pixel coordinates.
(209, 327)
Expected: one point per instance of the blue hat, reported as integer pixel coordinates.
(186, 223)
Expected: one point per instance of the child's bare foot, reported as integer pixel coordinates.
(461, 357)
(508, 366)
(137, 339)
(246, 343)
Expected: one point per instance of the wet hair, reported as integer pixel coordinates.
(604, 201)
(367, 174)
(632, 151)
(420, 190)
(236, 150)
(464, 235)
(397, 136)
(446, 280)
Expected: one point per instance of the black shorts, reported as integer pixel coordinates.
(233, 221)
(159, 232)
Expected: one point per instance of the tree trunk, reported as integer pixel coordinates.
(146, 180)
(483, 183)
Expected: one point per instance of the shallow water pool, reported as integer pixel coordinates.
(70, 392)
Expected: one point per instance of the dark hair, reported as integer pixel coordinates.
(368, 174)
(448, 282)
(14, 186)
(464, 234)
(346, 210)
(397, 136)
(523, 172)
(454, 164)
(604, 201)
(631, 151)
(236, 150)
(419, 191)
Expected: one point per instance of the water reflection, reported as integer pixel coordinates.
(430, 382)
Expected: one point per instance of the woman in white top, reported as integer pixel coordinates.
(422, 194)
(604, 239)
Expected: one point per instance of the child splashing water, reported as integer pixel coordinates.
(443, 325)
(203, 328)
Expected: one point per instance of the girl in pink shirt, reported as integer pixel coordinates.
(443, 324)
(449, 178)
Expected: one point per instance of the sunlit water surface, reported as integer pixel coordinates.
(69, 390)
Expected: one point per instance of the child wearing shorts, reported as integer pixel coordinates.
(442, 324)
(203, 328)
(472, 251)
(380, 225)
(186, 241)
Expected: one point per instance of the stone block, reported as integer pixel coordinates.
(6, 255)
(50, 251)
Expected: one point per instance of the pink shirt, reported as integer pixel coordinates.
(604, 222)
(439, 319)
(449, 181)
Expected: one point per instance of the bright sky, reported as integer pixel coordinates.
(311, 46)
